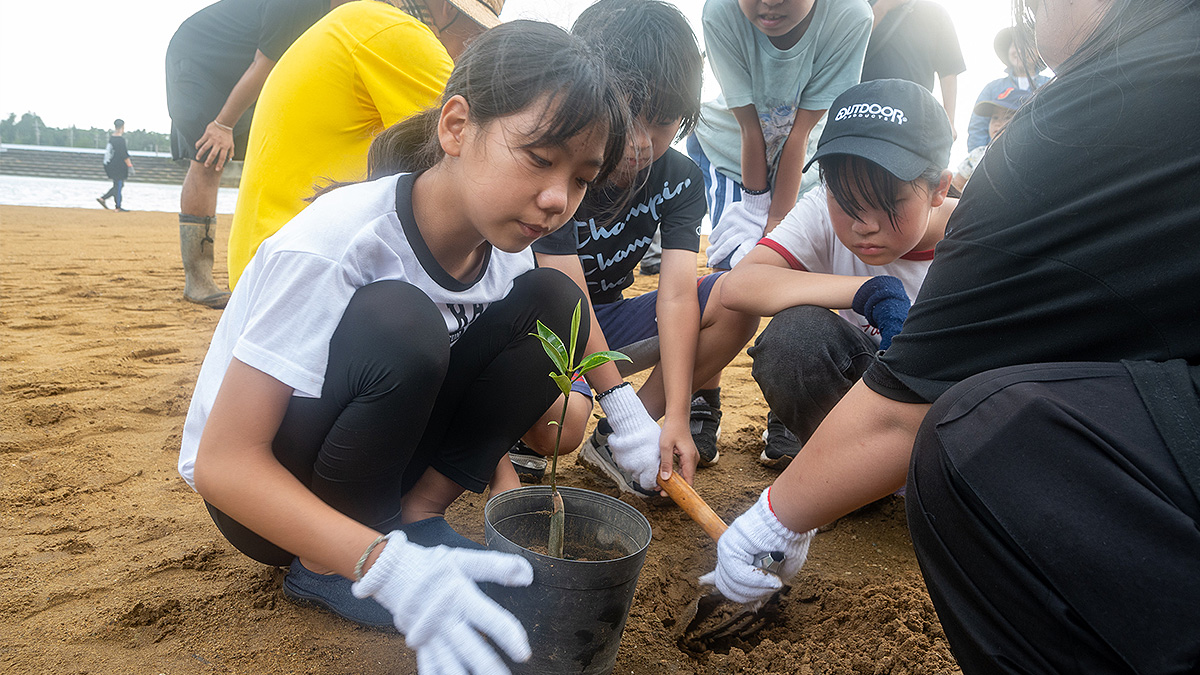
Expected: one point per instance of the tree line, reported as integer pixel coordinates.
(30, 130)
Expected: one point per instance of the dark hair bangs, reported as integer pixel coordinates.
(858, 184)
(850, 178)
(651, 48)
(582, 107)
(504, 71)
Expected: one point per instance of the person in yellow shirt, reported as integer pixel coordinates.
(357, 71)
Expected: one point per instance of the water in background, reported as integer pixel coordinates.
(81, 194)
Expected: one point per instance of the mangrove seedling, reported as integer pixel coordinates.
(567, 372)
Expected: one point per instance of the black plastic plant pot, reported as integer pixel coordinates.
(575, 610)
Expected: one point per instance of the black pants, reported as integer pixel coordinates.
(1055, 530)
(398, 399)
(805, 361)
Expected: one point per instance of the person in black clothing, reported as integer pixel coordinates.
(1044, 393)
(217, 62)
(117, 165)
(915, 40)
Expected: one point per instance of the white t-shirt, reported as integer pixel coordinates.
(825, 62)
(291, 296)
(806, 240)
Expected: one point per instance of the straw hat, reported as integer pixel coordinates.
(486, 13)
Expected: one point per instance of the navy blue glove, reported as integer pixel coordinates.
(884, 303)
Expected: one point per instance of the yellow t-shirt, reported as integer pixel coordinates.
(360, 69)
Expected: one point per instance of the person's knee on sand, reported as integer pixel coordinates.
(805, 361)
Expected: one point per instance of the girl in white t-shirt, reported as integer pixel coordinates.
(861, 244)
(375, 359)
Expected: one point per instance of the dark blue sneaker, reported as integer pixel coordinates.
(529, 465)
(705, 425)
(332, 592)
(436, 531)
(782, 446)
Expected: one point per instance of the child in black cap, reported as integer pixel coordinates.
(860, 244)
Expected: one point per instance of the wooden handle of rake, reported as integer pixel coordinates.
(692, 504)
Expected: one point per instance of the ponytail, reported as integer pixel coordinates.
(407, 146)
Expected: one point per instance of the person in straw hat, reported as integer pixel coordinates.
(362, 68)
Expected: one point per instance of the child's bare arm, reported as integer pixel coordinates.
(791, 166)
(763, 284)
(236, 471)
(860, 453)
(949, 86)
(678, 313)
(754, 148)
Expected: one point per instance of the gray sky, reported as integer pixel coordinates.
(105, 59)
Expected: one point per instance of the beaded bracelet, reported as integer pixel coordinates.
(358, 569)
(756, 193)
(222, 126)
(606, 392)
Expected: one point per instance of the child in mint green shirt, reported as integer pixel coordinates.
(779, 65)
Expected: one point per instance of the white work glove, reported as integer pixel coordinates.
(634, 439)
(741, 226)
(754, 533)
(435, 603)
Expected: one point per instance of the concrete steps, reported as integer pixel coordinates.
(89, 165)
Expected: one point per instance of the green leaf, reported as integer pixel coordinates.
(574, 334)
(554, 347)
(563, 382)
(600, 358)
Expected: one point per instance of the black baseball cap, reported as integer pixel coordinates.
(895, 123)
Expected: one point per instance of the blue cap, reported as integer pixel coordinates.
(1010, 98)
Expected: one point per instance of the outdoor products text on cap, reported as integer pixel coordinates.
(895, 123)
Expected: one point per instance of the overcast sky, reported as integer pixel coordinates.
(85, 62)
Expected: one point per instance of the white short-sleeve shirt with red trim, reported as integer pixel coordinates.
(806, 240)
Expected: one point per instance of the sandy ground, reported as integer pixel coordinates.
(109, 563)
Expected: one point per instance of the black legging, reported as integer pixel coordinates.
(398, 399)
(115, 191)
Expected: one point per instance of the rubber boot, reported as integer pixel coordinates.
(196, 248)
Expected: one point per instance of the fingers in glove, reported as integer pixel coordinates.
(505, 569)
(439, 659)
(742, 582)
(479, 655)
(721, 247)
(742, 251)
(501, 627)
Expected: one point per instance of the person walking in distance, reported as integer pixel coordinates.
(117, 164)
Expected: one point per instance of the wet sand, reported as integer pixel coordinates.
(110, 564)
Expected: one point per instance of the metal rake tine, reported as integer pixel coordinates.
(743, 624)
